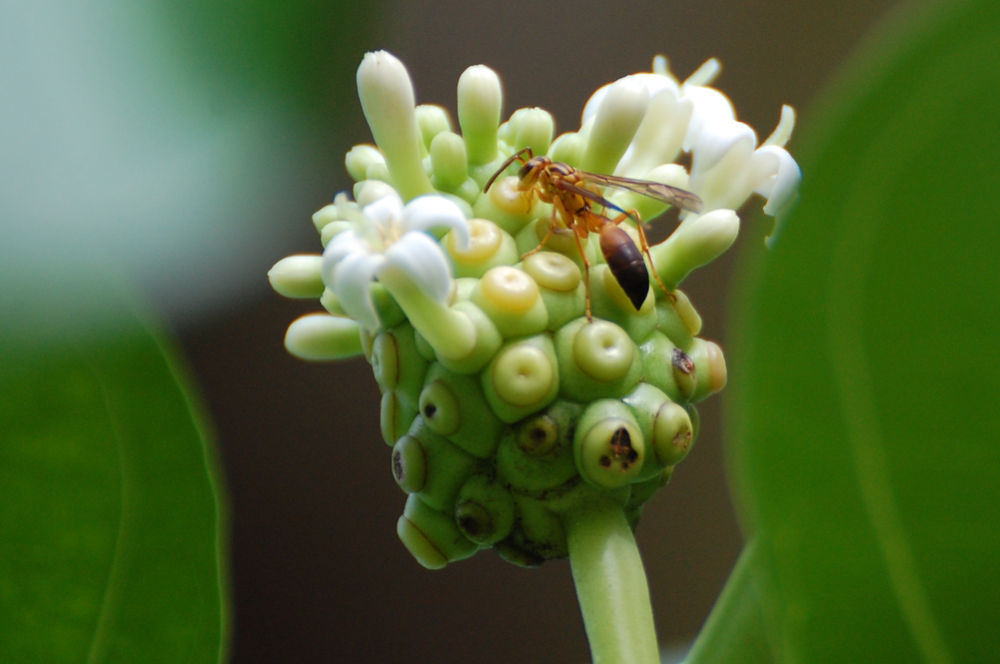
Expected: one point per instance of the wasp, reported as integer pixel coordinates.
(573, 193)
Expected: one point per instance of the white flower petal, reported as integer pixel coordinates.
(716, 142)
(344, 244)
(430, 211)
(660, 136)
(385, 212)
(777, 176)
(352, 284)
(651, 83)
(712, 110)
(424, 261)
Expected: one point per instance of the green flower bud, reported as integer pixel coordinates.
(529, 128)
(568, 148)
(678, 319)
(608, 446)
(510, 297)
(432, 120)
(560, 285)
(328, 300)
(365, 162)
(596, 360)
(614, 126)
(387, 100)
(297, 276)
(454, 406)
(522, 378)
(448, 161)
(480, 98)
(332, 229)
(431, 536)
(320, 337)
(489, 246)
(484, 510)
(697, 241)
(536, 455)
(325, 215)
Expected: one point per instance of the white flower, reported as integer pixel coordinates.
(727, 165)
(389, 233)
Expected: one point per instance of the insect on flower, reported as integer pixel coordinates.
(573, 192)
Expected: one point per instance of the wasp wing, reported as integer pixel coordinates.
(592, 196)
(662, 192)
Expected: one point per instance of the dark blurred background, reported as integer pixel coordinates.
(194, 141)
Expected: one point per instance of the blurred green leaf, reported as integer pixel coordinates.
(111, 523)
(865, 439)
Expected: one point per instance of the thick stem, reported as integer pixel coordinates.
(611, 585)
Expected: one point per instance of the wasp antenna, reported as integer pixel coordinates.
(517, 156)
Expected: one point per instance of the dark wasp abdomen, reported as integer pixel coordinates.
(626, 264)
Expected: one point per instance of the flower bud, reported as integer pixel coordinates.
(298, 276)
(387, 100)
(697, 241)
(319, 337)
(480, 98)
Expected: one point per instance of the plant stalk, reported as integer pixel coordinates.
(611, 585)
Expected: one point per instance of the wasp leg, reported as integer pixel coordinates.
(579, 235)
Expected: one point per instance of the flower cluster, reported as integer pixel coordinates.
(506, 403)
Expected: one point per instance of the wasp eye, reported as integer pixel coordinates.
(527, 168)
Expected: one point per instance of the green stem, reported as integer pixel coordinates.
(611, 585)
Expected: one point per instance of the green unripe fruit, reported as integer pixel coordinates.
(522, 378)
(596, 359)
(453, 405)
(657, 353)
(484, 510)
(432, 120)
(609, 448)
(711, 376)
(665, 424)
(487, 340)
(409, 464)
(446, 467)
(395, 417)
(536, 455)
(432, 536)
(684, 372)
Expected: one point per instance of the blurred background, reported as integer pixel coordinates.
(186, 145)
